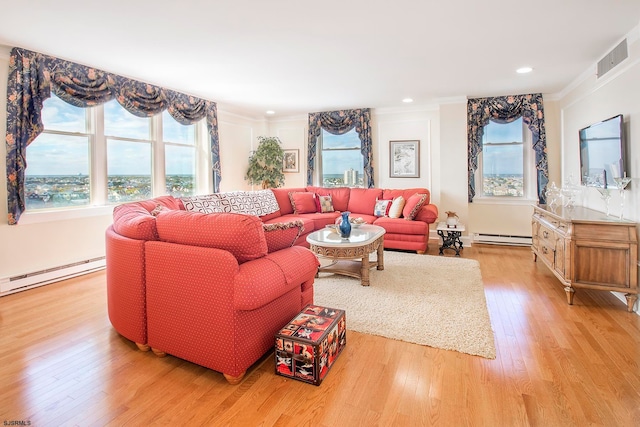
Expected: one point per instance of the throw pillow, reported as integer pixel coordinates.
(396, 207)
(382, 207)
(326, 204)
(282, 235)
(413, 205)
(303, 202)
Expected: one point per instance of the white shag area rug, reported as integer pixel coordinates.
(429, 300)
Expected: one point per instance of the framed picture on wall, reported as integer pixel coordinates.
(404, 159)
(291, 162)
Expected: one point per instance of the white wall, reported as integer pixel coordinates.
(593, 100)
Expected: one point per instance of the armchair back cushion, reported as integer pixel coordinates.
(240, 234)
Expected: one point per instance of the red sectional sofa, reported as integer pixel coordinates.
(401, 233)
(211, 289)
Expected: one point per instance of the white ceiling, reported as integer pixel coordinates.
(297, 56)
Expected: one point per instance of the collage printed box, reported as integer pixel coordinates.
(308, 345)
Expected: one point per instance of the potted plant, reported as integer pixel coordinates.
(265, 164)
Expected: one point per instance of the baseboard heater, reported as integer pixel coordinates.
(501, 239)
(10, 285)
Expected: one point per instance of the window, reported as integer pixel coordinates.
(180, 156)
(104, 155)
(341, 162)
(57, 173)
(505, 165)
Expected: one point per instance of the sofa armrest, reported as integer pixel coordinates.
(427, 213)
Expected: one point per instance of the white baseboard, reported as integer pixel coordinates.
(10, 285)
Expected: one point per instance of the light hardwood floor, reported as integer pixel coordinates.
(62, 364)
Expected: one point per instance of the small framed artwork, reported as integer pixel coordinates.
(291, 162)
(404, 159)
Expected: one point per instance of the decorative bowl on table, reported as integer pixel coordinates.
(356, 222)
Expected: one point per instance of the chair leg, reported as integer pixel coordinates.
(234, 380)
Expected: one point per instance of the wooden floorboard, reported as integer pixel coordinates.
(62, 364)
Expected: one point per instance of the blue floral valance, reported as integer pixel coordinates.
(339, 123)
(32, 77)
(505, 109)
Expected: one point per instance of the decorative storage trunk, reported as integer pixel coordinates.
(308, 345)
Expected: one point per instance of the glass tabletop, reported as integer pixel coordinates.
(362, 235)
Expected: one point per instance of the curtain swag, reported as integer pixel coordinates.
(506, 109)
(32, 77)
(339, 123)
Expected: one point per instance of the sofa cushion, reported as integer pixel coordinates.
(339, 196)
(396, 207)
(406, 193)
(303, 202)
(308, 224)
(281, 235)
(401, 226)
(363, 200)
(282, 197)
(240, 234)
(168, 202)
(413, 205)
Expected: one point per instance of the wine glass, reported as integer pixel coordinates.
(622, 183)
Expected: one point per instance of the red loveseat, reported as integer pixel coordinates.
(211, 289)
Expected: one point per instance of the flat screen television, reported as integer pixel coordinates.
(602, 152)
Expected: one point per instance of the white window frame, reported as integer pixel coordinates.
(99, 204)
(320, 147)
(528, 176)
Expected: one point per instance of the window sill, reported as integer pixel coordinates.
(511, 201)
(63, 214)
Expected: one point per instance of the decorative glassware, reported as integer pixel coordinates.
(345, 225)
(553, 194)
(622, 183)
(605, 194)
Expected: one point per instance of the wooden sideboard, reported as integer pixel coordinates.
(587, 249)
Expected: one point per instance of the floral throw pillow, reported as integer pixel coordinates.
(382, 207)
(326, 204)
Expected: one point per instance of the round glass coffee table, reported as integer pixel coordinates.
(350, 256)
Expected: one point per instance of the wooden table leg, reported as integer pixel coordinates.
(364, 270)
(380, 257)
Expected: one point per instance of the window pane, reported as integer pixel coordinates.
(60, 116)
(498, 133)
(172, 131)
(502, 168)
(121, 123)
(128, 170)
(342, 168)
(347, 140)
(57, 174)
(180, 163)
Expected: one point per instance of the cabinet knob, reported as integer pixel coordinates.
(545, 234)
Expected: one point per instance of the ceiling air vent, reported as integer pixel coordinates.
(613, 58)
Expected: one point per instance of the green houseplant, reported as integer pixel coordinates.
(265, 165)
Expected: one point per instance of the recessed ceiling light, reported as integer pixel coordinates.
(270, 112)
(524, 70)
(407, 100)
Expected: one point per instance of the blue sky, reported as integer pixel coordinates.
(340, 161)
(503, 160)
(52, 154)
